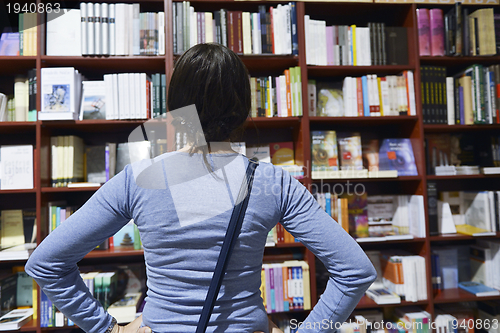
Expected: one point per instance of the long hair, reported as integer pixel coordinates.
(215, 79)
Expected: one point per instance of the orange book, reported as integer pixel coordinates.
(359, 96)
(345, 214)
(392, 269)
(288, 93)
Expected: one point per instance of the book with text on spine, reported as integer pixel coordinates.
(478, 289)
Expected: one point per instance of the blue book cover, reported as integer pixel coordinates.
(397, 154)
(461, 102)
(295, 36)
(9, 44)
(366, 103)
(478, 289)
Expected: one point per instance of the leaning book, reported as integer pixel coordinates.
(383, 296)
(15, 319)
(478, 289)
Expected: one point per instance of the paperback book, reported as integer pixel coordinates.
(397, 154)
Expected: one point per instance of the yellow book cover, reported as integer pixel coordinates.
(263, 286)
(470, 230)
(354, 51)
(379, 80)
(12, 228)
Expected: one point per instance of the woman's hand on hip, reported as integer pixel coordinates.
(133, 327)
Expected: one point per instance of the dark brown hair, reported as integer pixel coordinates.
(215, 79)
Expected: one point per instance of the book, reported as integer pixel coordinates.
(330, 100)
(15, 319)
(424, 37)
(93, 105)
(397, 154)
(9, 44)
(260, 153)
(324, 155)
(282, 153)
(350, 151)
(125, 309)
(478, 289)
(12, 228)
(383, 296)
(64, 35)
(16, 167)
(60, 93)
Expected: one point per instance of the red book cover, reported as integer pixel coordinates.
(359, 96)
(282, 153)
(239, 34)
(271, 24)
(424, 37)
(230, 30)
(437, 31)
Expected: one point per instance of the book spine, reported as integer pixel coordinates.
(436, 31)
(97, 29)
(105, 29)
(83, 29)
(112, 29)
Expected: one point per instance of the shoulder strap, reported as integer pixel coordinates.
(232, 232)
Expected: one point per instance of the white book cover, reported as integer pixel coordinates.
(90, 29)
(136, 29)
(93, 105)
(260, 153)
(83, 27)
(282, 85)
(120, 24)
(275, 23)
(97, 29)
(108, 87)
(410, 84)
(112, 29)
(137, 95)
(193, 32)
(477, 212)
(129, 25)
(209, 28)
(384, 87)
(307, 27)
(116, 109)
(104, 29)
(63, 33)
(247, 33)
(161, 33)
(58, 90)
(16, 169)
(142, 96)
(15, 319)
(322, 43)
(129, 95)
(450, 100)
(122, 93)
(288, 28)
(21, 89)
(255, 34)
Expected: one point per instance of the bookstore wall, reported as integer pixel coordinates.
(387, 111)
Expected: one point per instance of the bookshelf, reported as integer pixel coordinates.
(260, 130)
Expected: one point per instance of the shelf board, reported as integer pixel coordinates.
(458, 61)
(17, 127)
(459, 128)
(459, 295)
(458, 237)
(272, 122)
(413, 240)
(325, 71)
(29, 326)
(364, 121)
(114, 253)
(363, 180)
(33, 190)
(69, 189)
(367, 302)
(122, 64)
(296, 244)
(479, 176)
(15, 65)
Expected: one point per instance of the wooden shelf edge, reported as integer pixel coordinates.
(367, 302)
(18, 123)
(458, 237)
(477, 176)
(459, 295)
(68, 189)
(18, 191)
(114, 253)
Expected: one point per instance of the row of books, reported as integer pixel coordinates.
(17, 289)
(481, 264)
(22, 105)
(279, 235)
(458, 33)
(272, 30)
(366, 96)
(286, 286)
(23, 42)
(376, 217)
(18, 235)
(344, 45)
(355, 158)
(105, 29)
(467, 98)
(50, 316)
(279, 96)
(454, 154)
(400, 273)
(469, 212)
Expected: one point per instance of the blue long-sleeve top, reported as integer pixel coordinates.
(182, 212)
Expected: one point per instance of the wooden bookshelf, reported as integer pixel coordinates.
(459, 295)
(296, 129)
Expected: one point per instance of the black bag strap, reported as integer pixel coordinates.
(232, 233)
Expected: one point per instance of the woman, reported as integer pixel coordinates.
(182, 204)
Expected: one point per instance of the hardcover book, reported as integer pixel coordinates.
(330, 99)
(93, 104)
(437, 31)
(397, 154)
(350, 151)
(15, 319)
(424, 37)
(324, 157)
(478, 289)
(282, 153)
